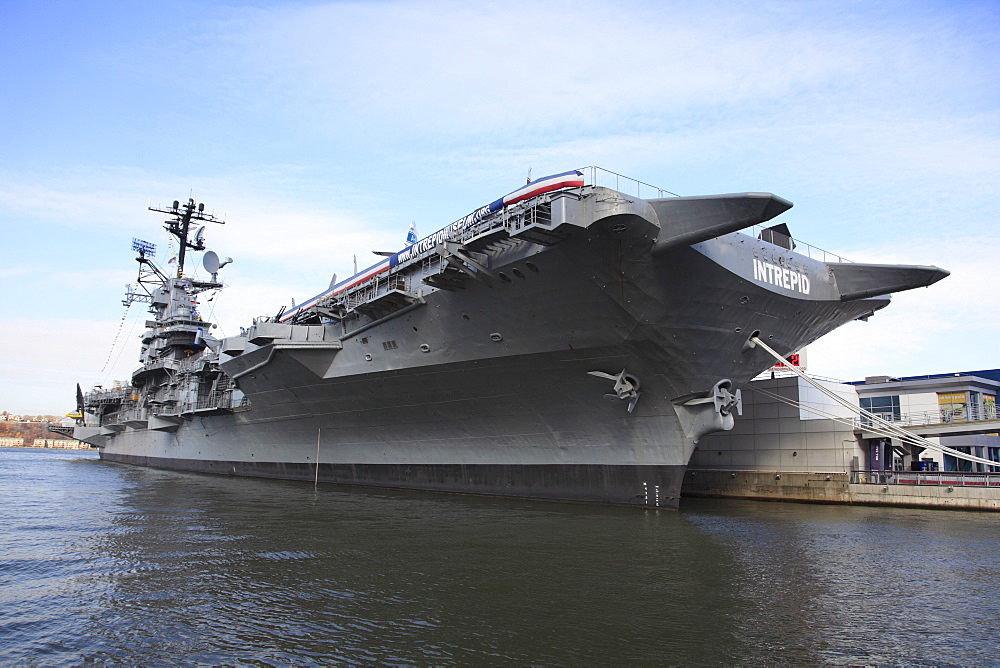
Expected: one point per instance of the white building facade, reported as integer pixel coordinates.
(789, 425)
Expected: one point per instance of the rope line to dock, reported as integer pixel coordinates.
(876, 424)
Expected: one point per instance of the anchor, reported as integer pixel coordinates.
(709, 411)
(626, 386)
(724, 400)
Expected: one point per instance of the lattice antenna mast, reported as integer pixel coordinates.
(180, 227)
(149, 274)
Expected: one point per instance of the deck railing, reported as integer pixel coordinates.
(802, 248)
(518, 216)
(597, 176)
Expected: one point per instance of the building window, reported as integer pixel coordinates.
(952, 463)
(886, 408)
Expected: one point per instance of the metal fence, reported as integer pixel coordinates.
(925, 478)
(597, 176)
(802, 248)
(941, 416)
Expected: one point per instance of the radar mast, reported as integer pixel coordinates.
(180, 226)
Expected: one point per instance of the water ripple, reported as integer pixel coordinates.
(116, 564)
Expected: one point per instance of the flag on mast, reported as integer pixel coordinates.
(411, 236)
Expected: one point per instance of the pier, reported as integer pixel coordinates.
(945, 489)
(794, 443)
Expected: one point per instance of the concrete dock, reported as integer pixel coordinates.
(845, 488)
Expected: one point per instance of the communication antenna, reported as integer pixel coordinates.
(213, 264)
(149, 273)
(180, 226)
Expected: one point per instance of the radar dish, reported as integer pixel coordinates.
(211, 262)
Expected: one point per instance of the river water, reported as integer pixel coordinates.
(111, 563)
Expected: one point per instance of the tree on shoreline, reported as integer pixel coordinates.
(29, 431)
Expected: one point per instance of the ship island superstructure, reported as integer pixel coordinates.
(572, 340)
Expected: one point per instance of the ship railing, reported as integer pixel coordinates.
(108, 396)
(219, 399)
(802, 248)
(190, 364)
(129, 411)
(374, 287)
(134, 413)
(165, 405)
(960, 415)
(972, 479)
(160, 364)
(511, 218)
(539, 213)
(525, 213)
(507, 217)
(598, 176)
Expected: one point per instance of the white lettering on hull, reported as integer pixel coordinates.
(782, 277)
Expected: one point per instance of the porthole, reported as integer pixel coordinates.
(424, 348)
(504, 277)
(517, 272)
(496, 336)
(531, 266)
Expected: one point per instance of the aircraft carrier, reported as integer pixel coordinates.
(571, 341)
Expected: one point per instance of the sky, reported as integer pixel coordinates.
(321, 130)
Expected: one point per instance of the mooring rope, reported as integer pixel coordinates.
(876, 424)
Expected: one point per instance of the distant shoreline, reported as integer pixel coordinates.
(49, 443)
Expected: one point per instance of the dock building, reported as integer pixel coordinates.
(794, 442)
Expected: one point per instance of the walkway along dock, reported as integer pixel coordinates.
(937, 489)
(814, 441)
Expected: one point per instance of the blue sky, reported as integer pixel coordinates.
(321, 130)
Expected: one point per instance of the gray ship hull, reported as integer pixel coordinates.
(506, 384)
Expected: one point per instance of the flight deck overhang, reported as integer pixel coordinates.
(689, 220)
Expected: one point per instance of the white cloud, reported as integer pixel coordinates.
(457, 70)
(519, 73)
(45, 357)
(946, 327)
